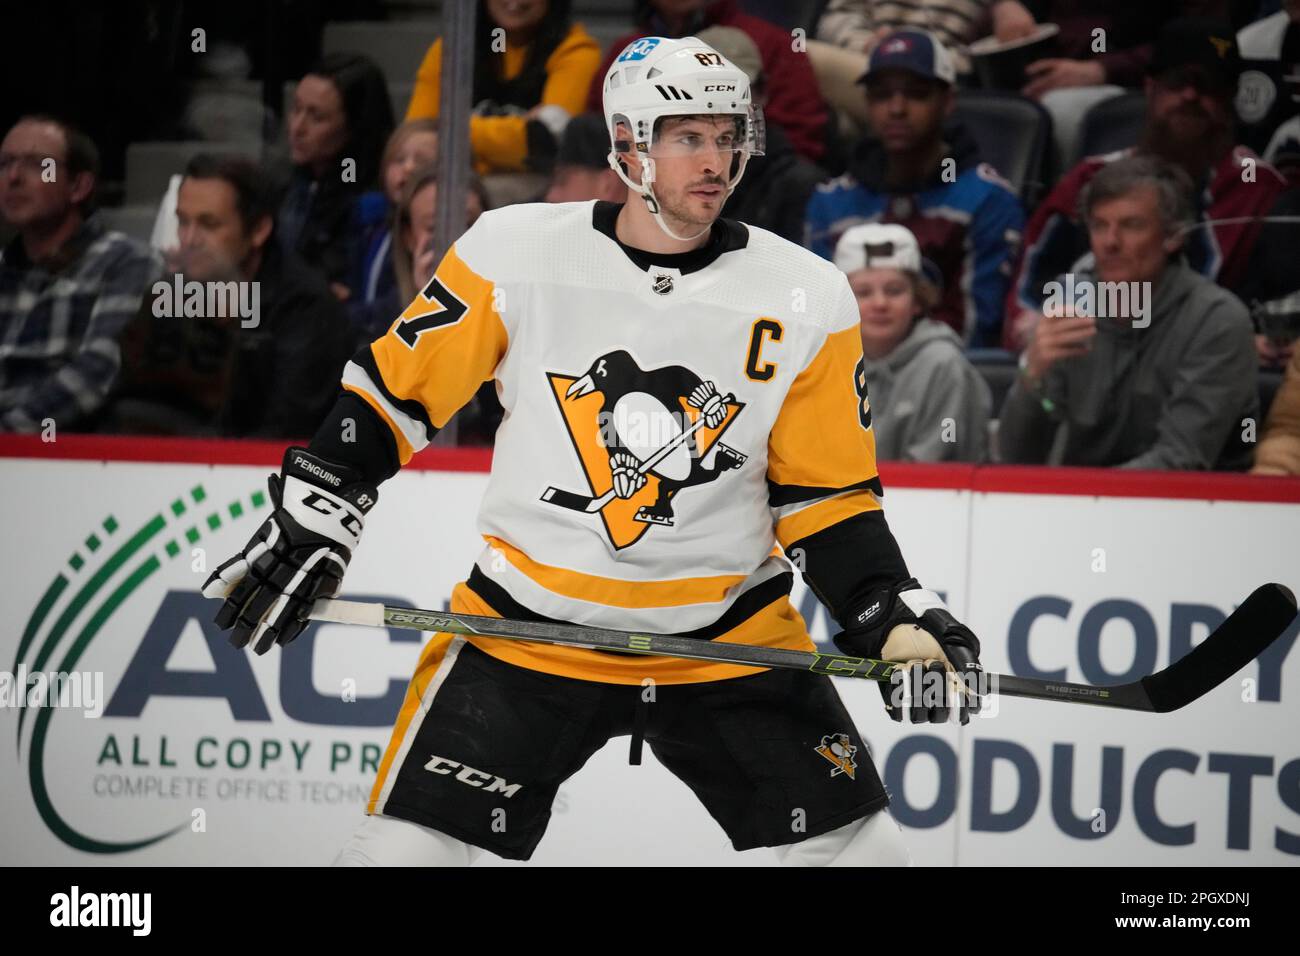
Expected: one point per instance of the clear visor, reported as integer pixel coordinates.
(693, 136)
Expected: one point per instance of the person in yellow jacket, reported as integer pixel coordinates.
(531, 73)
(1279, 447)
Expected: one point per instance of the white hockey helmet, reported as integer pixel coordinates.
(655, 77)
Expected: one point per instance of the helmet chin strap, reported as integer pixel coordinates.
(645, 189)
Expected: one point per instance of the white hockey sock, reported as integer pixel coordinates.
(388, 841)
(875, 840)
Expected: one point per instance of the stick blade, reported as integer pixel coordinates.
(567, 499)
(1258, 622)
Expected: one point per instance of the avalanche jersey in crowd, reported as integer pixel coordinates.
(723, 388)
(969, 227)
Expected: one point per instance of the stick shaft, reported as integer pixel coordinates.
(1259, 621)
(576, 635)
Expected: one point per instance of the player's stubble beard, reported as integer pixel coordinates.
(686, 215)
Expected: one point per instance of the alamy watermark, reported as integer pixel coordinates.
(78, 690)
(133, 911)
(193, 299)
(1102, 300)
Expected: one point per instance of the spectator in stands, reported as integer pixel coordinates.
(1264, 99)
(412, 146)
(526, 86)
(1103, 47)
(1279, 446)
(928, 403)
(415, 260)
(1159, 370)
(68, 287)
(794, 102)
(340, 119)
(858, 25)
(775, 189)
(262, 362)
(1189, 123)
(848, 30)
(582, 169)
(916, 172)
(1273, 283)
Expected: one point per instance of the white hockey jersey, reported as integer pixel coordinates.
(665, 428)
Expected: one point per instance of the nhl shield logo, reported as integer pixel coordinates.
(662, 284)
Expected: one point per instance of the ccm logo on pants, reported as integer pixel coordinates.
(472, 777)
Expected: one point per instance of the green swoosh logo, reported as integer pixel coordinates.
(44, 608)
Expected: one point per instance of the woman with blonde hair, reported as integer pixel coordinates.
(409, 226)
(413, 145)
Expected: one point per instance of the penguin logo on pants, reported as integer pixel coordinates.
(839, 750)
(641, 436)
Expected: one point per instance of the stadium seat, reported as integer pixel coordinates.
(397, 47)
(1013, 134)
(151, 165)
(998, 368)
(1112, 125)
(136, 221)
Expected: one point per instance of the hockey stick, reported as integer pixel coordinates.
(576, 502)
(1249, 629)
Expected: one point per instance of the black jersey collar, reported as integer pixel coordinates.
(726, 236)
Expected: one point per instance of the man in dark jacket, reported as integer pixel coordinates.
(1144, 362)
(242, 339)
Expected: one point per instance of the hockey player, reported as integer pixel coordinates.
(626, 342)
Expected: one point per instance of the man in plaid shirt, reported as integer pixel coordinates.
(67, 286)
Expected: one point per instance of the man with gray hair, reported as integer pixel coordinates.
(1193, 75)
(1145, 363)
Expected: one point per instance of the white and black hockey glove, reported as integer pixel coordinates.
(910, 624)
(298, 555)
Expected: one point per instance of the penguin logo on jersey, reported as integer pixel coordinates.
(838, 750)
(641, 436)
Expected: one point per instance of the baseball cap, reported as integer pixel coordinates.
(915, 51)
(1198, 41)
(884, 245)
